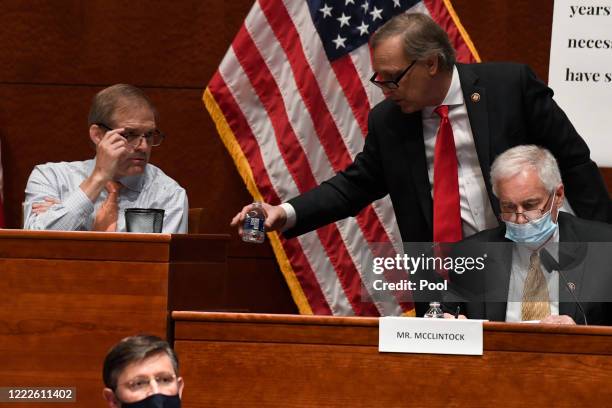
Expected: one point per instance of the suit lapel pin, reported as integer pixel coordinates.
(571, 286)
(475, 97)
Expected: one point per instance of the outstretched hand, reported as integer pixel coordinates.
(276, 217)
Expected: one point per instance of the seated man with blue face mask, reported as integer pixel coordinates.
(142, 372)
(550, 274)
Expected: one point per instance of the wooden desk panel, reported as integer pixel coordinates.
(57, 334)
(84, 245)
(67, 297)
(304, 361)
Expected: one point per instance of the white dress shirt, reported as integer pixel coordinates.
(476, 211)
(75, 212)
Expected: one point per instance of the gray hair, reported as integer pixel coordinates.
(115, 98)
(514, 160)
(422, 38)
(133, 349)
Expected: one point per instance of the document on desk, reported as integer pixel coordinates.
(431, 336)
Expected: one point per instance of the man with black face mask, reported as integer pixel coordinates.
(142, 372)
(557, 270)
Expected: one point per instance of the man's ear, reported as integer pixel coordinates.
(559, 197)
(181, 384)
(96, 134)
(110, 398)
(432, 64)
(560, 194)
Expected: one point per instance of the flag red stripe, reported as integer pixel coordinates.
(306, 277)
(351, 85)
(345, 269)
(325, 126)
(248, 143)
(267, 90)
(439, 13)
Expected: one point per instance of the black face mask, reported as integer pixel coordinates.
(156, 401)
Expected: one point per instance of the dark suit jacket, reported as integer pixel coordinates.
(585, 261)
(514, 108)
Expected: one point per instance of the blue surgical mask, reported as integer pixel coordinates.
(156, 401)
(537, 231)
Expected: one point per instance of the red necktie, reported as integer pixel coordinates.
(106, 217)
(447, 211)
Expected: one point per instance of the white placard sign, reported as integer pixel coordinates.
(580, 70)
(432, 336)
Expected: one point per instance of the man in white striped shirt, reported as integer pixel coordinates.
(69, 196)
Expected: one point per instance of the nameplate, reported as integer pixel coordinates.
(432, 336)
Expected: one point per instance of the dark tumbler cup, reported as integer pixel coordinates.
(144, 219)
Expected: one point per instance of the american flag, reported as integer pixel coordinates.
(290, 101)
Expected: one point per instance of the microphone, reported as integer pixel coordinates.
(571, 288)
(551, 264)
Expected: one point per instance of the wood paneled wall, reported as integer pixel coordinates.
(57, 54)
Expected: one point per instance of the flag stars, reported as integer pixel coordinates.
(344, 20)
(396, 3)
(363, 29)
(339, 41)
(326, 10)
(347, 2)
(365, 6)
(376, 14)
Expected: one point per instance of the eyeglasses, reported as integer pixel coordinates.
(153, 137)
(163, 381)
(393, 83)
(530, 215)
